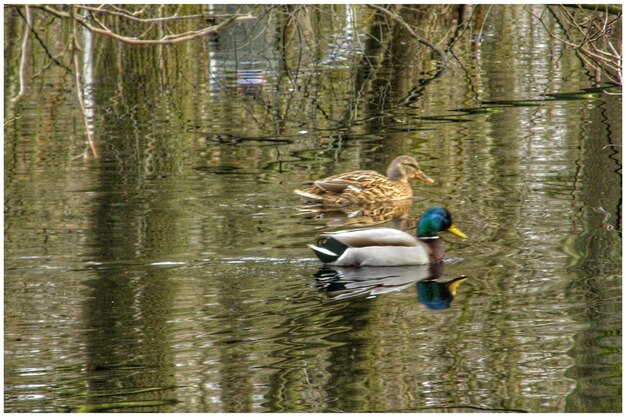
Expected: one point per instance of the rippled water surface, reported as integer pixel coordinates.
(171, 274)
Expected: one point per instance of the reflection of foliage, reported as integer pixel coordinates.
(110, 21)
(589, 30)
(388, 32)
(383, 51)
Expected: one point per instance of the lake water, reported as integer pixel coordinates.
(172, 274)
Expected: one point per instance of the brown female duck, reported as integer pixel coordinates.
(367, 187)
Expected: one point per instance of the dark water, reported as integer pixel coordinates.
(172, 273)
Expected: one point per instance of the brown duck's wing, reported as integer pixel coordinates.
(355, 181)
(338, 184)
(360, 175)
(380, 236)
(377, 191)
(357, 187)
(332, 186)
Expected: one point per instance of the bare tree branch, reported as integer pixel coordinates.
(589, 35)
(125, 15)
(610, 8)
(165, 40)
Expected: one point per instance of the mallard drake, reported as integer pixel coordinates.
(388, 247)
(359, 187)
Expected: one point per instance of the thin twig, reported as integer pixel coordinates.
(137, 13)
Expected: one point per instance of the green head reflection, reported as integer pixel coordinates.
(437, 295)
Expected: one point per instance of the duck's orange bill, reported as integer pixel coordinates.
(423, 177)
(456, 232)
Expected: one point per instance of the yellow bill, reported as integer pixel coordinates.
(453, 229)
(455, 283)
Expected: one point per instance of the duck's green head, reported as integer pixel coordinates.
(435, 220)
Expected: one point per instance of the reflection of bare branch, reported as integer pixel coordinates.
(133, 16)
(411, 32)
(25, 41)
(593, 34)
(165, 40)
(93, 19)
(53, 59)
(610, 9)
(588, 33)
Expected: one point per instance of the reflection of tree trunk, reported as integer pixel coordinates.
(478, 21)
(25, 54)
(128, 345)
(161, 32)
(87, 86)
(235, 373)
(401, 52)
(127, 312)
(410, 80)
(11, 53)
(333, 378)
(597, 272)
(368, 82)
(81, 75)
(350, 363)
(298, 36)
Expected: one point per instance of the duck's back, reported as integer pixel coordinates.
(379, 236)
(385, 256)
(360, 176)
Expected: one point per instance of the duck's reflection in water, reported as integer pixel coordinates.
(396, 213)
(433, 291)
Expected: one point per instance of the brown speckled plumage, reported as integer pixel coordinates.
(358, 187)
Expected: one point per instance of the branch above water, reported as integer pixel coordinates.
(165, 40)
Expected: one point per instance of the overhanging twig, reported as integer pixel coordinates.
(166, 40)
